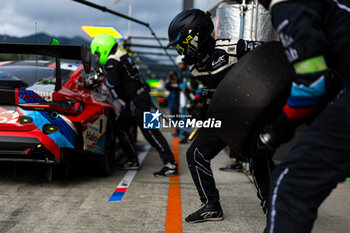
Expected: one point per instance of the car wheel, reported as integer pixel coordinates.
(68, 170)
(106, 161)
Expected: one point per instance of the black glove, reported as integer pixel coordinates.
(279, 132)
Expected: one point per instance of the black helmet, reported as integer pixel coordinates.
(189, 30)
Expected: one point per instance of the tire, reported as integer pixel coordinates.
(251, 96)
(105, 162)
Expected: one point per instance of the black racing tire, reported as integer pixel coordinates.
(251, 96)
(105, 162)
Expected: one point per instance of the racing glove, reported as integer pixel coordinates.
(279, 132)
(206, 95)
(116, 100)
(245, 46)
(121, 102)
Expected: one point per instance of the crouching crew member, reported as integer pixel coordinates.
(209, 61)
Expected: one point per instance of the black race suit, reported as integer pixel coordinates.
(123, 77)
(206, 145)
(321, 157)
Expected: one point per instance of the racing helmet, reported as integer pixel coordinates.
(102, 45)
(189, 31)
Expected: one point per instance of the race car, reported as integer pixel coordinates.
(49, 114)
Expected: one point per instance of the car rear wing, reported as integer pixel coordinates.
(71, 52)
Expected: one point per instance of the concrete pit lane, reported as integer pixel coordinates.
(29, 203)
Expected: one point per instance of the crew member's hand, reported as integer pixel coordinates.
(279, 132)
(121, 102)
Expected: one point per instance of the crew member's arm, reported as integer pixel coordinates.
(114, 79)
(307, 96)
(206, 96)
(245, 46)
(304, 43)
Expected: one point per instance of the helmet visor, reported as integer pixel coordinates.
(175, 44)
(96, 56)
(172, 43)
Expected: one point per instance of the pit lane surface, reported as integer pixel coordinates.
(29, 203)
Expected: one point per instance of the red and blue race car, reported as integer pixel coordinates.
(49, 114)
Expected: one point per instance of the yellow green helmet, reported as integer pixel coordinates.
(102, 45)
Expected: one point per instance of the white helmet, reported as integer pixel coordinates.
(178, 59)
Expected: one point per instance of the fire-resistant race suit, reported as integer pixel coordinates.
(123, 77)
(316, 38)
(206, 145)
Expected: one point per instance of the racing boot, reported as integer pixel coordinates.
(131, 165)
(208, 212)
(169, 169)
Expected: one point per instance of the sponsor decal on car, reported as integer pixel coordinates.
(7, 116)
(36, 93)
(94, 135)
